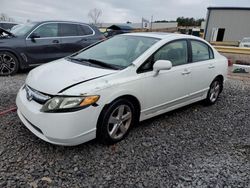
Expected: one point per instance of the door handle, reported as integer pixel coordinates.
(186, 72)
(55, 41)
(211, 66)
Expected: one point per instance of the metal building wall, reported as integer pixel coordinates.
(235, 22)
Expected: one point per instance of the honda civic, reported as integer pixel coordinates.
(104, 90)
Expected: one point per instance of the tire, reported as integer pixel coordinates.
(9, 64)
(214, 92)
(116, 121)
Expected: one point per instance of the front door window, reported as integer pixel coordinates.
(47, 30)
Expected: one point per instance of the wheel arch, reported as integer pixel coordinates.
(129, 97)
(101, 117)
(135, 101)
(221, 79)
(13, 52)
(132, 99)
(15, 58)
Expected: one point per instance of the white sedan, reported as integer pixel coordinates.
(105, 89)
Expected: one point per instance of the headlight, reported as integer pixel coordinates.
(65, 104)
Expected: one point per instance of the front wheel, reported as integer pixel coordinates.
(116, 121)
(214, 92)
(8, 64)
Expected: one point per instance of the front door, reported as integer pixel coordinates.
(45, 46)
(170, 87)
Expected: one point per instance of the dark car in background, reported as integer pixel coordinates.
(118, 29)
(34, 43)
(7, 25)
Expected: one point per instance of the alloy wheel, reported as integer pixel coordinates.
(214, 91)
(119, 121)
(7, 64)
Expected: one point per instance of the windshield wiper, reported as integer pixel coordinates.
(77, 59)
(96, 62)
(103, 64)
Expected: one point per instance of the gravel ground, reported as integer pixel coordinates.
(9, 87)
(195, 146)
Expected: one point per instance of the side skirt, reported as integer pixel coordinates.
(173, 105)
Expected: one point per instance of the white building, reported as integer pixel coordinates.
(227, 23)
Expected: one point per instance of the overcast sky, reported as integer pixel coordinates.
(112, 10)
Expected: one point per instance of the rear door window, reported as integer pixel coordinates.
(68, 30)
(201, 51)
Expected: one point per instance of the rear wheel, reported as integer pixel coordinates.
(116, 121)
(8, 64)
(214, 92)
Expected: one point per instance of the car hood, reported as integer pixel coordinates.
(57, 76)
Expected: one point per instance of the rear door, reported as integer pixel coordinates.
(46, 47)
(202, 68)
(74, 37)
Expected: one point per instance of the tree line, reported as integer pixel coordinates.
(183, 21)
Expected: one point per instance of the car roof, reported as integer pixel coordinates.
(62, 21)
(160, 35)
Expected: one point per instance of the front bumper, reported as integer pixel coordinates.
(67, 129)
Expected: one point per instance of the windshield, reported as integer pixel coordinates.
(120, 50)
(22, 29)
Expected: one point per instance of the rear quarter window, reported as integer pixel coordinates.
(84, 30)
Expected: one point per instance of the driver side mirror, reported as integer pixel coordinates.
(33, 36)
(161, 65)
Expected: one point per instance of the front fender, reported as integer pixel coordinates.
(110, 94)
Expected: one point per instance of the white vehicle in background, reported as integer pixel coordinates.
(105, 89)
(245, 42)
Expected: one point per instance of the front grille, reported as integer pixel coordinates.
(35, 95)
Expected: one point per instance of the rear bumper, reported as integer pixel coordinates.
(67, 129)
